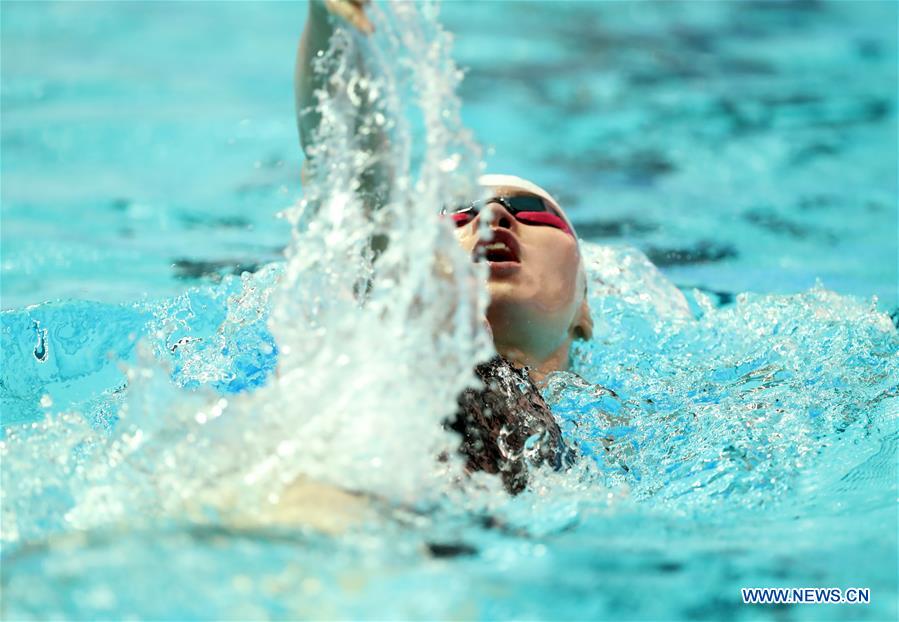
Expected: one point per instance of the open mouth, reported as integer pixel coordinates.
(503, 248)
(498, 252)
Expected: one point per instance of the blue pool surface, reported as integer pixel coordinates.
(744, 435)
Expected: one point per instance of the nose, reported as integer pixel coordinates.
(500, 216)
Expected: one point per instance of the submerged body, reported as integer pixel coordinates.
(506, 427)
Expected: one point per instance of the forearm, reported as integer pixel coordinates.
(375, 174)
(316, 36)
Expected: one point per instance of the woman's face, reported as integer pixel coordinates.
(534, 282)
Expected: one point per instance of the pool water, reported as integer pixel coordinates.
(167, 341)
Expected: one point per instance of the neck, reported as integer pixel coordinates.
(539, 366)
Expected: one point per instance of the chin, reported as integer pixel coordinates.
(510, 304)
(505, 293)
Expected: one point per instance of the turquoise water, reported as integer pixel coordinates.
(747, 437)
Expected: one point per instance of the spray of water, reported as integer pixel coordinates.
(743, 407)
(372, 352)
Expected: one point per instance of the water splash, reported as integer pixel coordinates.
(738, 406)
(371, 354)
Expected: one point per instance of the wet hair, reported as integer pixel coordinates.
(506, 427)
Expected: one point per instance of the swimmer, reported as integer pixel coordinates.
(537, 282)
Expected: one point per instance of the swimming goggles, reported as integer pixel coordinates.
(527, 209)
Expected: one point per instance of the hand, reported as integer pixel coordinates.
(352, 11)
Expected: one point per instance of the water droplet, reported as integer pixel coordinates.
(450, 164)
(41, 348)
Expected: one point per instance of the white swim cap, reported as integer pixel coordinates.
(519, 183)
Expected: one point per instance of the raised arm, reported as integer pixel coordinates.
(315, 39)
(320, 25)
